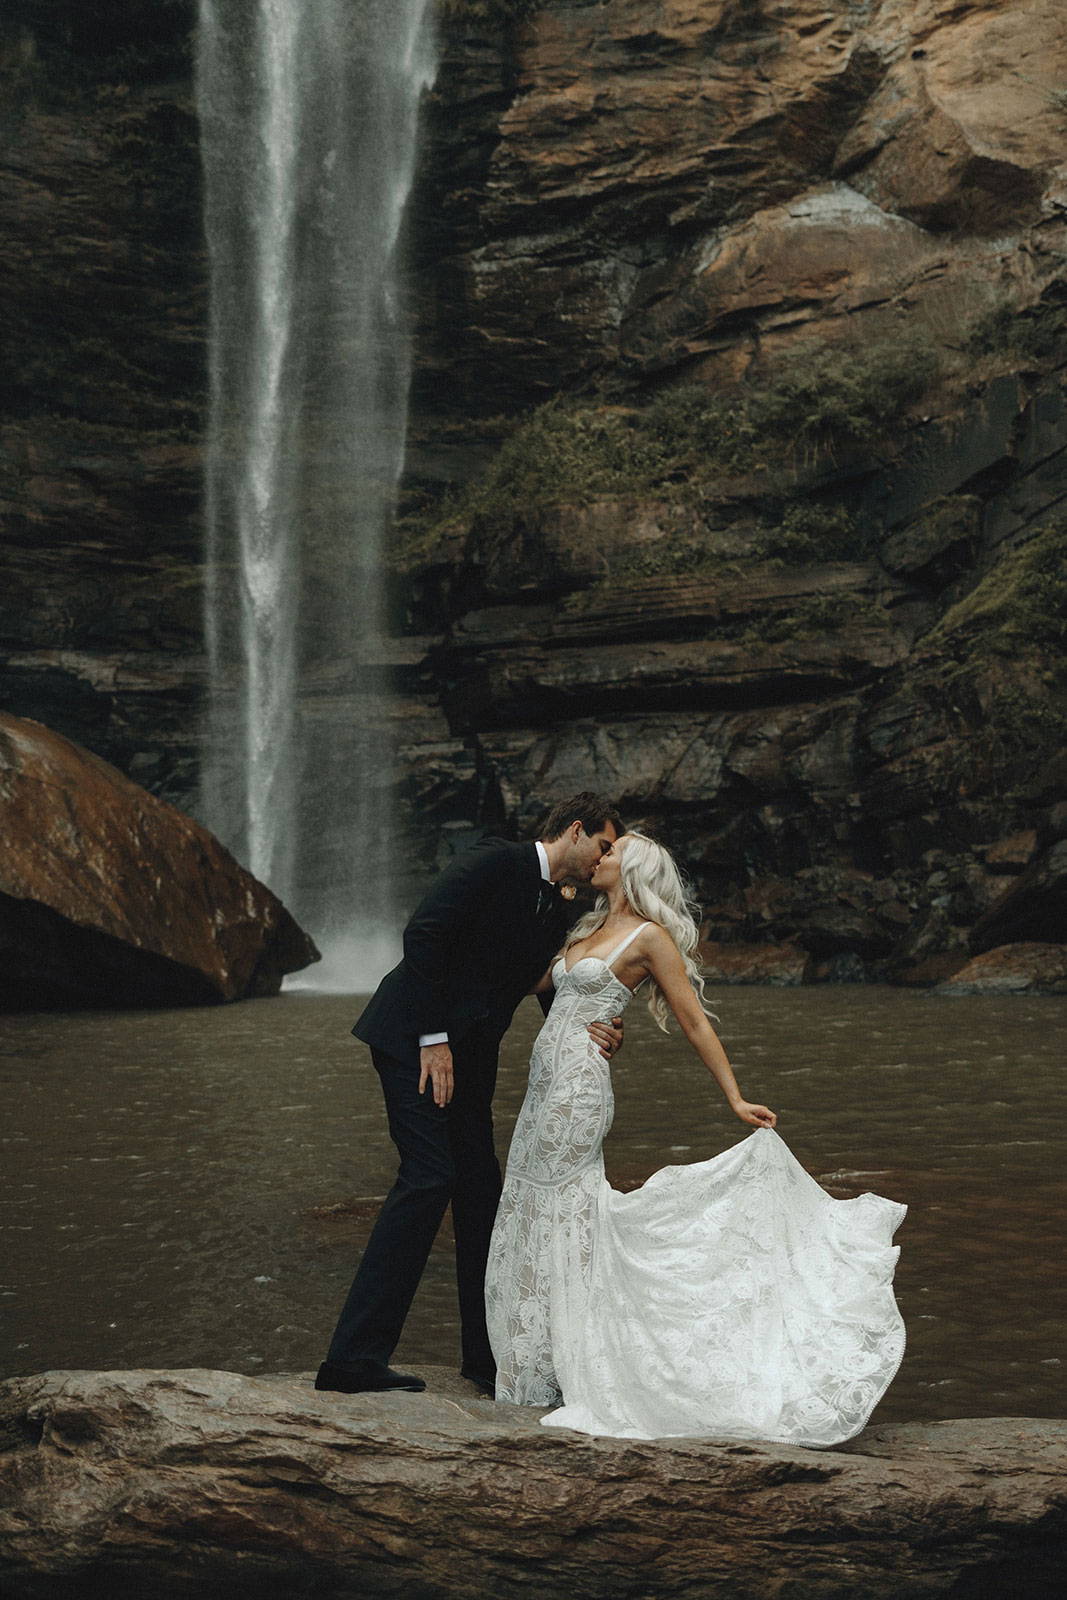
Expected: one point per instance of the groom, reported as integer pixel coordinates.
(478, 942)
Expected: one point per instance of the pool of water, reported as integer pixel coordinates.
(192, 1188)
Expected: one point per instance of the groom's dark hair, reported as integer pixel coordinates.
(590, 809)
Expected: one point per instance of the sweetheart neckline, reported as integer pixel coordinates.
(561, 962)
(606, 961)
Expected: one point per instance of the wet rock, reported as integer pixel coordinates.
(104, 388)
(1012, 854)
(1033, 908)
(928, 971)
(782, 965)
(932, 949)
(765, 638)
(1012, 969)
(940, 542)
(181, 1483)
(111, 897)
(833, 910)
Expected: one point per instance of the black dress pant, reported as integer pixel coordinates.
(446, 1154)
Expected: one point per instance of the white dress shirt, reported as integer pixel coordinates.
(542, 856)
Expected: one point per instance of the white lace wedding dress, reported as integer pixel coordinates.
(732, 1297)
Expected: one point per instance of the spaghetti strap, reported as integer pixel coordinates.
(619, 948)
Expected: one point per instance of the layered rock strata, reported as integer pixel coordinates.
(716, 197)
(111, 897)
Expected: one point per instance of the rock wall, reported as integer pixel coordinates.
(103, 279)
(801, 635)
(761, 651)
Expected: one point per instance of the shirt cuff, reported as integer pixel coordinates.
(432, 1038)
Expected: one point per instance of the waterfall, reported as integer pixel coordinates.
(308, 113)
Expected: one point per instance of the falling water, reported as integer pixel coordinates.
(308, 112)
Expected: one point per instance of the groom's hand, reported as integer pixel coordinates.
(435, 1064)
(607, 1036)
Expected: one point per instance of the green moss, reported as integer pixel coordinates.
(563, 454)
(819, 400)
(1001, 635)
(812, 402)
(996, 671)
(819, 614)
(1033, 333)
(686, 439)
(950, 519)
(696, 430)
(810, 531)
(1020, 604)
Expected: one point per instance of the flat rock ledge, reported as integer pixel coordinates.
(190, 1483)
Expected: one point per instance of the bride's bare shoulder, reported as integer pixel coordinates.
(656, 942)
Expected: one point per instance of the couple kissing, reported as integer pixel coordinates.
(731, 1297)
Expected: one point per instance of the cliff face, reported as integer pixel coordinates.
(801, 269)
(783, 570)
(656, 187)
(103, 281)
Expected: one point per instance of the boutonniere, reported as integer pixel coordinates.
(566, 891)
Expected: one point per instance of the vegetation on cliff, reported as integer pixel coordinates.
(1019, 606)
(812, 406)
(1030, 333)
(996, 664)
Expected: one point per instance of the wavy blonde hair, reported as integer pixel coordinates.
(656, 892)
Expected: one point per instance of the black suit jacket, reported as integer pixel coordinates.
(474, 946)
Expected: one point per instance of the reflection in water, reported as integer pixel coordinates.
(192, 1188)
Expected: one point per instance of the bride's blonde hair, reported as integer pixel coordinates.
(656, 892)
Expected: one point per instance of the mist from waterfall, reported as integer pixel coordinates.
(308, 113)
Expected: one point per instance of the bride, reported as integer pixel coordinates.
(731, 1297)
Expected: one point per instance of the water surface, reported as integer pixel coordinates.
(192, 1188)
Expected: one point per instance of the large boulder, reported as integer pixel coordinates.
(196, 1482)
(111, 897)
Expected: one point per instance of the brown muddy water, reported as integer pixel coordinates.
(193, 1188)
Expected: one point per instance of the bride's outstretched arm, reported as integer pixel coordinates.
(667, 967)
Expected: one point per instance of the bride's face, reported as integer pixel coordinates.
(609, 867)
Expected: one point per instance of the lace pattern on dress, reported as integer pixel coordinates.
(731, 1297)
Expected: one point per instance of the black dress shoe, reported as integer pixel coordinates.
(483, 1381)
(364, 1377)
